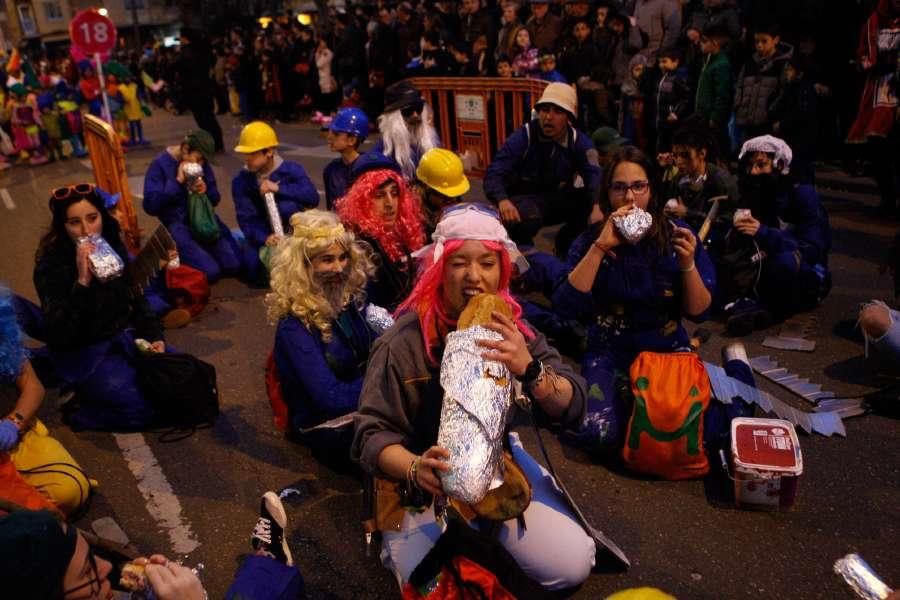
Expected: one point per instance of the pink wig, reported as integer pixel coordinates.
(427, 298)
(357, 211)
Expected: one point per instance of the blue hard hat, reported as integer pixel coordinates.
(371, 161)
(352, 121)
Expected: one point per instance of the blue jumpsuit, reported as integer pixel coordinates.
(295, 193)
(635, 305)
(167, 200)
(337, 180)
(321, 381)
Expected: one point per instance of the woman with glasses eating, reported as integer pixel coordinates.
(633, 287)
(92, 312)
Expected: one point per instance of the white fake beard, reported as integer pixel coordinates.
(399, 139)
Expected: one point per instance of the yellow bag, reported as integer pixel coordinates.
(665, 432)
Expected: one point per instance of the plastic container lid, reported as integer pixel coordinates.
(765, 445)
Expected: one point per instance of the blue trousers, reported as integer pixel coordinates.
(219, 259)
(264, 578)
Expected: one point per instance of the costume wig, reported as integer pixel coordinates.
(357, 210)
(399, 138)
(12, 352)
(295, 290)
(428, 302)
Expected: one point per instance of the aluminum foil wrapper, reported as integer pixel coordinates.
(634, 225)
(477, 400)
(193, 172)
(860, 576)
(274, 217)
(378, 318)
(106, 264)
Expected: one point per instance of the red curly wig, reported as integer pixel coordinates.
(427, 298)
(356, 210)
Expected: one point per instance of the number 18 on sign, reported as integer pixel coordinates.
(94, 34)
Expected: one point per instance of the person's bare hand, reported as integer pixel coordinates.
(179, 175)
(273, 240)
(158, 347)
(171, 581)
(83, 262)
(747, 225)
(433, 459)
(199, 187)
(268, 186)
(609, 236)
(512, 350)
(672, 117)
(508, 212)
(685, 244)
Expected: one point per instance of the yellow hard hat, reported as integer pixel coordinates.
(256, 136)
(642, 593)
(442, 171)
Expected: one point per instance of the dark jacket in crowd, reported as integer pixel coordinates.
(714, 90)
(77, 316)
(582, 60)
(295, 193)
(758, 84)
(545, 33)
(795, 112)
(803, 228)
(529, 163)
(393, 281)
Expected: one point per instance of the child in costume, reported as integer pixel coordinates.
(26, 124)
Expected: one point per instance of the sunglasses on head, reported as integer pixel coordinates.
(413, 108)
(77, 189)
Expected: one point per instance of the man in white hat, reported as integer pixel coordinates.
(546, 172)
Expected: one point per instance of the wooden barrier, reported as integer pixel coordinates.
(477, 114)
(108, 161)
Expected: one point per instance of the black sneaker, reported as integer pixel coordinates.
(746, 316)
(268, 534)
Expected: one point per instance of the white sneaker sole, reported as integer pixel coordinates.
(276, 509)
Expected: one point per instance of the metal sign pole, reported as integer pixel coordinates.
(107, 114)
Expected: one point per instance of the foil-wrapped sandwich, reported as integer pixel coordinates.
(477, 399)
(106, 264)
(633, 225)
(193, 172)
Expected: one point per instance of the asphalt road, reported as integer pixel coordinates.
(679, 537)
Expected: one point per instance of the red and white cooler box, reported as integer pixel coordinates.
(767, 463)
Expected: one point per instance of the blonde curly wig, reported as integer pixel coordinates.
(294, 289)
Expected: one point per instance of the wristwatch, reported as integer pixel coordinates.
(532, 373)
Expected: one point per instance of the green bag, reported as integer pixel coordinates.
(202, 219)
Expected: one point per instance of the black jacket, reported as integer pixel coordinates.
(78, 316)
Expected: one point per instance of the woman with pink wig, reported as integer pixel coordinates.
(400, 405)
(382, 210)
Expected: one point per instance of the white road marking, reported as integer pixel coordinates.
(162, 503)
(7, 199)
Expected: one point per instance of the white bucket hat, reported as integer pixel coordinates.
(562, 95)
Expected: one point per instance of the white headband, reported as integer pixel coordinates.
(471, 222)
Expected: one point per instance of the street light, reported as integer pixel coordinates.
(103, 12)
(304, 19)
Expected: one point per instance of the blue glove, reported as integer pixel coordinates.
(9, 435)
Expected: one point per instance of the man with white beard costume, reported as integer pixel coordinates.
(406, 126)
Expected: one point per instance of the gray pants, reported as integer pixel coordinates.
(554, 550)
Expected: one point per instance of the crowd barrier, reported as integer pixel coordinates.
(475, 115)
(108, 161)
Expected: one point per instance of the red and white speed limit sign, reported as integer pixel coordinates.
(92, 32)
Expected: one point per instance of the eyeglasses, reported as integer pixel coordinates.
(93, 583)
(485, 209)
(76, 189)
(620, 188)
(417, 107)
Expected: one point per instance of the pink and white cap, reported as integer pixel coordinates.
(471, 221)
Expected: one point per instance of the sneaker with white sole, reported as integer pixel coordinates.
(268, 534)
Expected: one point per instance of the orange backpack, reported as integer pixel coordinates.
(665, 432)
